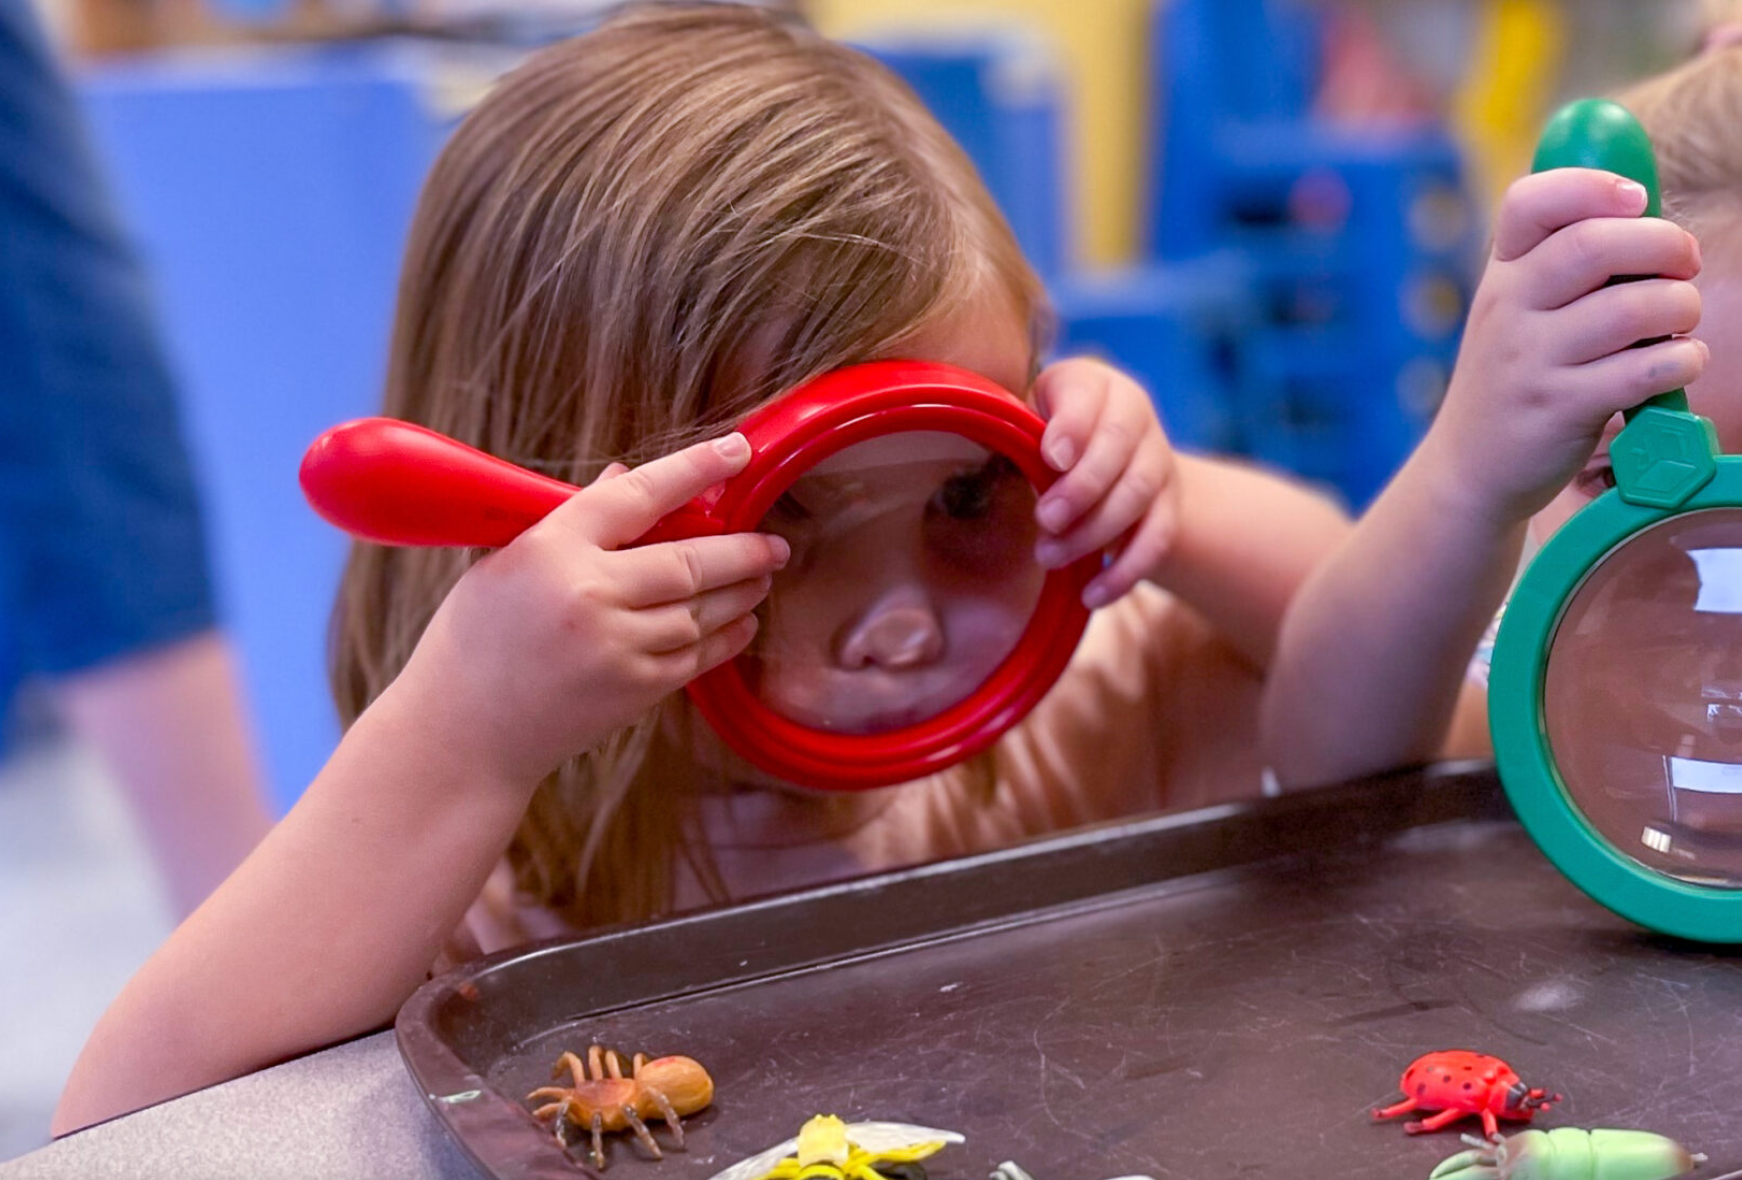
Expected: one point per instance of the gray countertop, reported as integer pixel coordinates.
(350, 1111)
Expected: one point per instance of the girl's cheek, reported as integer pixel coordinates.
(1717, 395)
(1560, 510)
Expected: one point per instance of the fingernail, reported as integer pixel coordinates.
(1096, 595)
(1049, 554)
(1054, 515)
(1059, 452)
(733, 446)
(782, 550)
(1696, 243)
(1633, 191)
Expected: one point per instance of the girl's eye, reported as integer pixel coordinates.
(788, 508)
(969, 496)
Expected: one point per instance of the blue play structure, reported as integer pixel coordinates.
(1298, 301)
(1361, 244)
(998, 94)
(1174, 329)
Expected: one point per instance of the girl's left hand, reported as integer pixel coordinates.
(1119, 476)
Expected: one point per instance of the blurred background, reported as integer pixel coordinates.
(1271, 211)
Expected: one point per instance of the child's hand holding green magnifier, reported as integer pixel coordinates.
(1549, 356)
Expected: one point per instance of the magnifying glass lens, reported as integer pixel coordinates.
(912, 578)
(1642, 697)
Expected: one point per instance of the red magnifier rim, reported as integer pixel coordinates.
(395, 483)
(789, 437)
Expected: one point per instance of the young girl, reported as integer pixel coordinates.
(636, 239)
(1524, 435)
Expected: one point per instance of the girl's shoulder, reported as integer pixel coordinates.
(1156, 710)
(1150, 651)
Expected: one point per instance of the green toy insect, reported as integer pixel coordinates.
(1615, 698)
(1568, 1153)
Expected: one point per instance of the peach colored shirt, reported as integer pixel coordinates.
(1155, 711)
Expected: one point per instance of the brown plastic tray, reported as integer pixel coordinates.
(1219, 994)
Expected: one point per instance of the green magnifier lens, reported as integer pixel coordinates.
(1642, 698)
(1616, 694)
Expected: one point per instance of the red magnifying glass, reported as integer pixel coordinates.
(911, 628)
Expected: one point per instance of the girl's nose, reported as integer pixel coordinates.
(900, 629)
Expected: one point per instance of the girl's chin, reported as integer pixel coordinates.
(743, 776)
(719, 762)
(762, 782)
(737, 774)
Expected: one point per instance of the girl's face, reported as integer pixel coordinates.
(912, 577)
(913, 572)
(1717, 395)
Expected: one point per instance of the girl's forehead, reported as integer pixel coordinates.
(988, 334)
(1718, 392)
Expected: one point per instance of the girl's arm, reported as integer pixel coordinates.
(538, 652)
(1246, 541)
(1370, 672)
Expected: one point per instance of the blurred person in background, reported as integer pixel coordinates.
(105, 592)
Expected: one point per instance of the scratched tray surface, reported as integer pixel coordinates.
(1230, 1022)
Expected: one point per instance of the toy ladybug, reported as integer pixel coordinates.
(1456, 1083)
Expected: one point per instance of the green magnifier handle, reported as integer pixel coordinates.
(1598, 133)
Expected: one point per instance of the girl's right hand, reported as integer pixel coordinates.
(544, 648)
(1548, 355)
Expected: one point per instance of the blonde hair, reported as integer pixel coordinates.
(1694, 117)
(639, 236)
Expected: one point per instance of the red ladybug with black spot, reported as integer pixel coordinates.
(1456, 1083)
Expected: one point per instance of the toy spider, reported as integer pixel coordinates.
(603, 1099)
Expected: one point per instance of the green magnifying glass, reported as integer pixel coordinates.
(1615, 696)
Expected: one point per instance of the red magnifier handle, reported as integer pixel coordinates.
(396, 483)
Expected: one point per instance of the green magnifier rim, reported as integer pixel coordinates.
(1521, 746)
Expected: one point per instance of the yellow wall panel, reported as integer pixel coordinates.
(1102, 46)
